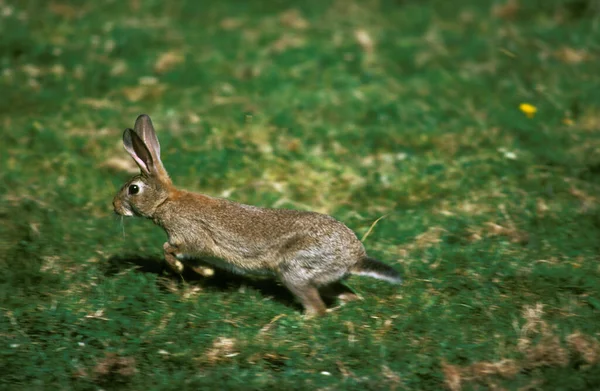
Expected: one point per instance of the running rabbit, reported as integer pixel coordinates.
(306, 251)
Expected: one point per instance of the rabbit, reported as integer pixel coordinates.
(306, 251)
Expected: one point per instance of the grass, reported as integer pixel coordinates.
(358, 109)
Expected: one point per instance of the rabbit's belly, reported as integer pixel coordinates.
(228, 266)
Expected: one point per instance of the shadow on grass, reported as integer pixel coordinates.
(220, 281)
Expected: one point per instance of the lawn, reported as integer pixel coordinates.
(460, 139)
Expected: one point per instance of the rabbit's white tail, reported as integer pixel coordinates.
(373, 268)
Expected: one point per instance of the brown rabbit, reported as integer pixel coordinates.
(307, 251)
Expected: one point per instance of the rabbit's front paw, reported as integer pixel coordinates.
(171, 258)
(204, 270)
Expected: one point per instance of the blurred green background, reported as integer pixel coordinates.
(412, 110)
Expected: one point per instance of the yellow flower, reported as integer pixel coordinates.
(567, 121)
(528, 109)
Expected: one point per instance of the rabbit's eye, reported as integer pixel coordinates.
(134, 189)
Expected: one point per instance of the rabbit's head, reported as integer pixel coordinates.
(142, 194)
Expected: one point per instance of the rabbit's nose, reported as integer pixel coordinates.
(116, 206)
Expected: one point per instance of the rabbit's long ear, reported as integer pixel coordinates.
(138, 150)
(146, 148)
(144, 128)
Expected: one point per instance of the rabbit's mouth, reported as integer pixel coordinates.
(121, 209)
(124, 212)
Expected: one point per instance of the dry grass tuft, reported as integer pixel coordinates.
(273, 360)
(269, 326)
(508, 10)
(546, 351)
(587, 201)
(167, 61)
(364, 40)
(505, 368)
(148, 89)
(97, 103)
(452, 376)
(534, 324)
(66, 10)
(231, 23)
(221, 350)
(431, 237)
(510, 231)
(169, 284)
(572, 56)
(393, 378)
(293, 18)
(585, 346)
(287, 41)
(114, 367)
(482, 372)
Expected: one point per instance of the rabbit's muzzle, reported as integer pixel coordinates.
(121, 209)
(117, 206)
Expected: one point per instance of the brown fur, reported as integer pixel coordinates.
(305, 250)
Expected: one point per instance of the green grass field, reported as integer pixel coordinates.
(408, 110)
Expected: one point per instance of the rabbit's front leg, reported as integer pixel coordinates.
(171, 258)
(173, 255)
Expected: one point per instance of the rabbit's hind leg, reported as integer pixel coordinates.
(337, 290)
(309, 297)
